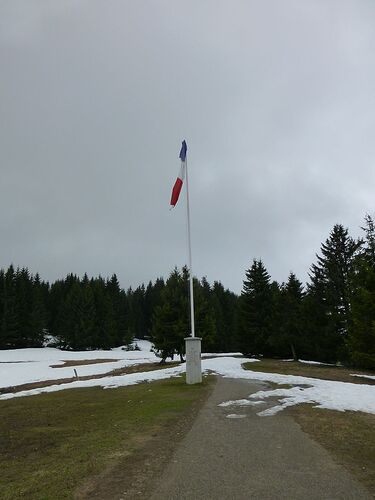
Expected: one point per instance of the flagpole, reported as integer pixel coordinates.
(192, 343)
(189, 252)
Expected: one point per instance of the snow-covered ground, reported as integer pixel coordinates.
(24, 366)
(341, 396)
(30, 365)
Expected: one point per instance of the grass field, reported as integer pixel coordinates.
(348, 436)
(96, 444)
(67, 444)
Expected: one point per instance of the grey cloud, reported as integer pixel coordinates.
(274, 98)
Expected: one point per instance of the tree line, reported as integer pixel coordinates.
(331, 319)
(96, 313)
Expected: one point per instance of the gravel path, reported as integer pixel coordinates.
(251, 457)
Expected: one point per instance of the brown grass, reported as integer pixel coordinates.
(325, 372)
(81, 362)
(348, 436)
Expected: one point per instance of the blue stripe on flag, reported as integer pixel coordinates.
(183, 151)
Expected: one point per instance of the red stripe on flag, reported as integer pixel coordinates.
(176, 191)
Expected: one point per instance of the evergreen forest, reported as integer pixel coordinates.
(330, 319)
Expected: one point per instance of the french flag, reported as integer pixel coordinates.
(181, 176)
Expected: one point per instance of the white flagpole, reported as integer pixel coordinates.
(189, 250)
(192, 343)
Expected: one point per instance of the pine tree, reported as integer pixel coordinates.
(361, 341)
(255, 313)
(204, 314)
(137, 321)
(24, 298)
(38, 316)
(287, 330)
(219, 311)
(58, 313)
(170, 323)
(3, 338)
(368, 251)
(77, 323)
(120, 307)
(330, 292)
(9, 329)
(225, 305)
(152, 300)
(125, 335)
(320, 341)
(105, 318)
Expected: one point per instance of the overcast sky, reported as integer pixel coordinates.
(275, 99)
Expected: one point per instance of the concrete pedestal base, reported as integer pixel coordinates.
(193, 360)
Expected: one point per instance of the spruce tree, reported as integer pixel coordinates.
(3, 338)
(152, 300)
(170, 323)
(38, 316)
(224, 304)
(220, 310)
(105, 319)
(287, 331)
(120, 307)
(137, 321)
(361, 341)
(23, 297)
(255, 313)
(204, 314)
(77, 320)
(330, 293)
(9, 328)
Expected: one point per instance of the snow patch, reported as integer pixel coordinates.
(223, 354)
(291, 360)
(372, 377)
(340, 396)
(315, 363)
(31, 365)
(240, 402)
(25, 366)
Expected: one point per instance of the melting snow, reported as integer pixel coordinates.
(31, 365)
(372, 377)
(24, 366)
